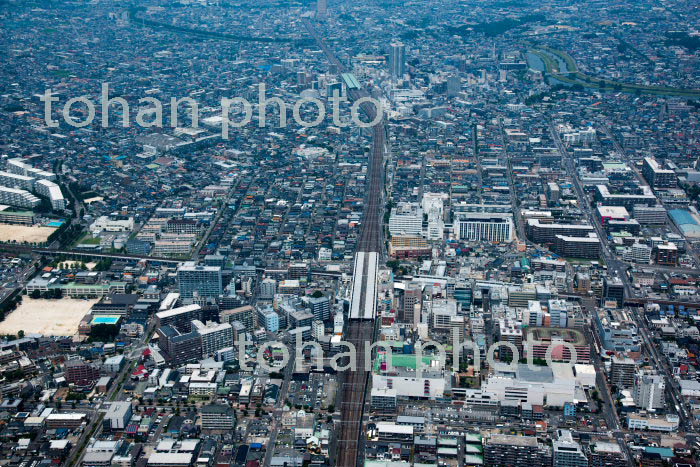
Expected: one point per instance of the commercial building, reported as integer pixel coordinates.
(669, 423)
(199, 281)
(541, 386)
(118, 415)
(410, 303)
(406, 246)
(613, 290)
(558, 343)
(406, 219)
(484, 227)
(612, 213)
(649, 392)
(617, 331)
(403, 378)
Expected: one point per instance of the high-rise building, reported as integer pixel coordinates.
(666, 254)
(321, 8)
(613, 289)
(623, 372)
(559, 312)
(397, 60)
(649, 392)
(199, 282)
(411, 303)
(269, 319)
(180, 317)
(268, 289)
(657, 176)
(178, 348)
(454, 85)
(510, 331)
(646, 215)
(214, 336)
(320, 307)
(540, 232)
(567, 452)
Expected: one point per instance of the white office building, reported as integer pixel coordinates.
(406, 219)
(484, 227)
(539, 386)
(669, 423)
(649, 392)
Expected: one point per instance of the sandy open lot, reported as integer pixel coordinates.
(24, 233)
(47, 317)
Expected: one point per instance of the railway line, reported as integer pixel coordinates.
(360, 330)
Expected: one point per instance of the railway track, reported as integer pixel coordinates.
(355, 382)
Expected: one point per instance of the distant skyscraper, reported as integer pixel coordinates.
(321, 8)
(397, 60)
(454, 85)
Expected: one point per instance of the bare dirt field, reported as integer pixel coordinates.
(46, 317)
(24, 233)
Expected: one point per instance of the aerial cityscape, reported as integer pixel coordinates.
(368, 233)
